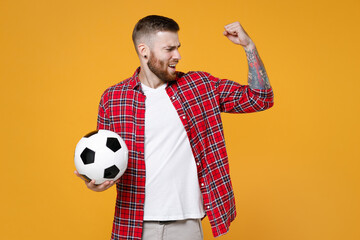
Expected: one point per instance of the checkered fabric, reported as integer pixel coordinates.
(198, 98)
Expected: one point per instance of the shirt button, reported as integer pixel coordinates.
(208, 207)
(202, 184)
(173, 97)
(183, 117)
(198, 163)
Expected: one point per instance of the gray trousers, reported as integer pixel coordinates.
(188, 229)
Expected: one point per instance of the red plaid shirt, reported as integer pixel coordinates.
(198, 98)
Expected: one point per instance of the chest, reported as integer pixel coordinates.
(161, 116)
(192, 105)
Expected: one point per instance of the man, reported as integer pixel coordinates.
(178, 167)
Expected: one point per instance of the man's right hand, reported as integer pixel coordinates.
(97, 187)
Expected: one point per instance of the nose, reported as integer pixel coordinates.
(177, 54)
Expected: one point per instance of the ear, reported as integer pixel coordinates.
(143, 50)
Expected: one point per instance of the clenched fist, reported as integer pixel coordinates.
(235, 33)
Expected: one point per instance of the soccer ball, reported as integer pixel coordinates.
(101, 155)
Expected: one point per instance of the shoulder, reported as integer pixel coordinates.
(115, 90)
(200, 76)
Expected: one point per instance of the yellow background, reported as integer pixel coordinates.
(294, 167)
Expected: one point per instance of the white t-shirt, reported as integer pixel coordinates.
(172, 189)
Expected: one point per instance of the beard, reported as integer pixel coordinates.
(160, 68)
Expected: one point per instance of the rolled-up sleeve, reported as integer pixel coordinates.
(236, 98)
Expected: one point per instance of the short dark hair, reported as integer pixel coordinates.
(152, 24)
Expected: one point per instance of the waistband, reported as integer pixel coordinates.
(160, 222)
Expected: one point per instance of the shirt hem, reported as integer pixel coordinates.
(180, 217)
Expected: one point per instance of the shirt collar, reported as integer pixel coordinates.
(134, 80)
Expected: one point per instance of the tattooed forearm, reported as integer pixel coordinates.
(257, 77)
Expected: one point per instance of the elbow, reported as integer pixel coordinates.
(269, 100)
(268, 105)
(259, 105)
(262, 106)
(264, 100)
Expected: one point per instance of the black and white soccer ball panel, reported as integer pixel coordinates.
(101, 155)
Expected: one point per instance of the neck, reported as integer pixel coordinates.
(149, 78)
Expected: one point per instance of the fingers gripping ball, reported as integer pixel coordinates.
(101, 155)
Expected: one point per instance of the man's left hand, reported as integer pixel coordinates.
(235, 33)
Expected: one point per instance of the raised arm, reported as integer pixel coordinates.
(257, 77)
